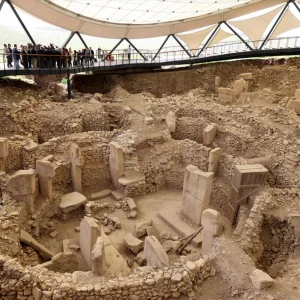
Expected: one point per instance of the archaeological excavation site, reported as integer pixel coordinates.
(177, 184)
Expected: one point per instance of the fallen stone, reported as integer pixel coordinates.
(132, 214)
(66, 244)
(140, 259)
(141, 227)
(155, 254)
(171, 245)
(171, 121)
(101, 195)
(294, 104)
(53, 234)
(116, 195)
(131, 203)
(133, 244)
(261, 280)
(72, 201)
(148, 120)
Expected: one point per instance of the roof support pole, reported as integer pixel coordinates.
(1, 4)
(275, 24)
(127, 40)
(230, 27)
(21, 22)
(162, 45)
(179, 43)
(209, 39)
(113, 49)
(297, 6)
(68, 39)
(82, 40)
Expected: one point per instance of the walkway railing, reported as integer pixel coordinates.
(48, 63)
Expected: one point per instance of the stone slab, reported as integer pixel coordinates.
(117, 196)
(294, 104)
(155, 254)
(27, 239)
(171, 217)
(131, 203)
(72, 201)
(134, 244)
(130, 179)
(261, 280)
(101, 195)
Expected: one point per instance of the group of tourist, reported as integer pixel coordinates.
(38, 56)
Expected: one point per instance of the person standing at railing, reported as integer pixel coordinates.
(92, 56)
(129, 52)
(87, 56)
(34, 57)
(16, 57)
(29, 56)
(70, 58)
(5, 52)
(10, 58)
(24, 57)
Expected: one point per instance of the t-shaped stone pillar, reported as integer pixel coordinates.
(116, 162)
(77, 161)
(46, 171)
(213, 159)
(197, 187)
(22, 185)
(3, 153)
(212, 226)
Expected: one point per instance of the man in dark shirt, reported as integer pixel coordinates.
(16, 57)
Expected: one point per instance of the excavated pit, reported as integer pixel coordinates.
(98, 192)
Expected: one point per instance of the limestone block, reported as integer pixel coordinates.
(226, 94)
(133, 244)
(197, 187)
(66, 244)
(116, 162)
(212, 226)
(3, 147)
(101, 195)
(246, 76)
(22, 183)
(37, 293)
(213, 159)
(98, 257)
(171, 121)
(89, 232)
(294, 104)
(114, 263)
(218, 81)
(295, 220)
(131, 203)
(75, 154)
(44, 168)
(261, 280)
(149, 121)
(297, 94)
(46, 187)
(209, 134)
(239, 87)
(71, 201)
(31, 146)
(155, 254)
(117, 196)
(141, 227)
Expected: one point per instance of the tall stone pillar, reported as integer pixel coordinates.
(213, 159)
(116, 162)
(217, 83)
(22, 185)
(3, 153)
(77, 161)
(212, 227)
(45, 171)
(196, 192)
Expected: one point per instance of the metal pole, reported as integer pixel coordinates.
(127, 40)
(247, 45)
(21, 22)
(1, 4)
(297, 7)
(275, 24)
(68, 39)
(161, 47)
(179, 43)
(82, 40)
(209, 39)
(69, 87)
(113, 49)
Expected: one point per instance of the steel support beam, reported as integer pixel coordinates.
(21, 22)
(127, 40)
(247, 45)
(275, 24)
(1, 4)
(114, 48)
(209, 39)
(296, 5)
(161, 47)
(180, 44)
(68, 39)
(82, 40)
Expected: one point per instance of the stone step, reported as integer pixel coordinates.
(131, 178)
(101, 195)
(171, 217)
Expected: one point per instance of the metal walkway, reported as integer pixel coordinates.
(167, 57)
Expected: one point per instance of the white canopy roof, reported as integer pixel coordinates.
(86, 22)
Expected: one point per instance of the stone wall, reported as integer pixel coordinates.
(18, 282)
